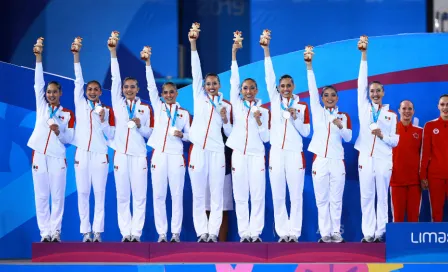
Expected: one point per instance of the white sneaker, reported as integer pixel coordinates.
(283, 239)
(212, 238)
(367, 239)
(86, 238)
(56, 238)
(126, 239)
(175, 238)
(97, 237)
(46, 239)
(162, 238)
(203, 238)
(245, 239)
(256, 239)
(135, 239)
(293, 239)
(325, 239)
(337, 238)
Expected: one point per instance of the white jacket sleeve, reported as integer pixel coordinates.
(153, 92)
(116, 83)
(234, 84)
(39, 85)
(196, 74)
(270, 78)
(393, 138)
(263, 130)
(363, 101)
(316, 107)
(79, 85)
(108, 126)
(186, 130)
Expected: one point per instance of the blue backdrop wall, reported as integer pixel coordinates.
(403, 63)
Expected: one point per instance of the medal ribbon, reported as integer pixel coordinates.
(92, 104)
(213, 103)
(168, 114)
(375, 114)
(289, 106)
(52, 112)
(131, 113)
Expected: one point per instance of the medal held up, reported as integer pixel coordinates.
(194, 31)
(238, 39)
(145, 53)
(76, 45)
(363, 42)
(113, 39)
(265, 37)
(39, 46)
(308, 54)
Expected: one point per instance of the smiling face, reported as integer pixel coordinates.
(212, 84)
(130, 88)
(169, 93)
(53, 94)
(330, 97)
(406, 111)
(286, 87)
(249, 89)
(376, 92)
(93, 91)
(443, 107)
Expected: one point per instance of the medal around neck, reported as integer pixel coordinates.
(373, 126)
(51, 121)
(286, 114)
(131, 124)
(98, 109)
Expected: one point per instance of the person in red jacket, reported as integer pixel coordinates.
(434, 163)
(405, 184)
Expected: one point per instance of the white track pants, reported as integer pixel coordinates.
(49, 178)
(329, 182)
(374, 175)
(287, 167)
(167, 169)
(131, 175)
(91, 169)
(227, 197)
(249, 178)
(207, 166)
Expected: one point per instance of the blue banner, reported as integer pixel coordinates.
(417, 242)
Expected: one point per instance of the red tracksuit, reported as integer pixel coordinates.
(434, 164)
(405, 184)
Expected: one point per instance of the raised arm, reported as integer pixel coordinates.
(363, 101)
(269, 73)
(79, 80)
(316, 107)
(196, 69)
(234, 77)
(152, 87)
(39, 82)
(116, 77)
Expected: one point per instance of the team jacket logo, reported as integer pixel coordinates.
(270, 168)
(233, 169)
(153, 166)
(436, 131)
(314, 172)
(35, 167)
(387, 118)
(76, 163)
(141, 111)
(360, 166)
(116, 167)
(61, 117)
(191, 166)
(415, 135)
(179, 115)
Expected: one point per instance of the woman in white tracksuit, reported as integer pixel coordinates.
(289, 123)
(54, 128)
(331, 126)
(133, 122)
(207, 161)
(250, 131)
(95, 120)
(172, 125)
(377, 137)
